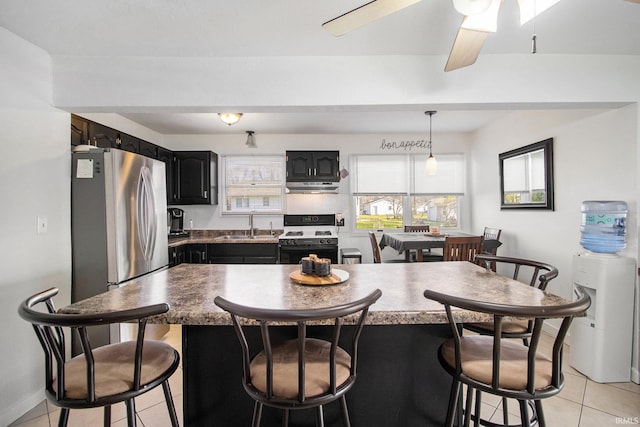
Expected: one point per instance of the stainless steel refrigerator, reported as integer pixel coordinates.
(118, 223)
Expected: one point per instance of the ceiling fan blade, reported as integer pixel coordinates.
(466, 48)
(365, 14)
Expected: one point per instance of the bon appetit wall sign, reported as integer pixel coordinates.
(403, 145)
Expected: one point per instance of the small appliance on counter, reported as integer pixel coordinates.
(175, 219)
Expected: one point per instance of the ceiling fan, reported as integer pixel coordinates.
(480, 18)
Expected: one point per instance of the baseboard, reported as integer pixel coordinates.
(18, 409)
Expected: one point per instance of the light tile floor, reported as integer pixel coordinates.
(582, 403)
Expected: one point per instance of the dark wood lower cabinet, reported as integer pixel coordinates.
(197, 253)
(224, 253)
(400, 382)
(177, 255)
(243, 253)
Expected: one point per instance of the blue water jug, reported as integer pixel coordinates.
(603, 226)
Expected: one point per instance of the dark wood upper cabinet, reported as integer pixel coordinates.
(148, 149)
(166, 156)
(313, 166)
(79, 130)
(103, 136)
(128, 143)
(195, 175)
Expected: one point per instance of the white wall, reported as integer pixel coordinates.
(595, 158)
(34, 181)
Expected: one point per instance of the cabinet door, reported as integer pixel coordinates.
(299, 165)
(129, 143)
(79, 130)
(326, 164)
(195, 177)
(102, 136)
(197, 254)
(148, 149)
(176, 255)
(167, 157)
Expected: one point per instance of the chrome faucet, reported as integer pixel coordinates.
(251, 229)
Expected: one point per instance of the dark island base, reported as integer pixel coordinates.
(400, 382)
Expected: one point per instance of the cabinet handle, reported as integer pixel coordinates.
(205, 194)
(309, 171)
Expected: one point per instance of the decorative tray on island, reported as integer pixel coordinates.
(336, 277)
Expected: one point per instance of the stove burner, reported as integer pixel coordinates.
(294, 233)
(323, 233)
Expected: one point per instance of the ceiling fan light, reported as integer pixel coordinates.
(486, 21)
(230, 118)
(471, 7)
(529, 9)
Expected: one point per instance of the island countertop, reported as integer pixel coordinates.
(190, 289)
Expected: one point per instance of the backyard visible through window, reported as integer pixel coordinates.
(393, 190)
(380, 212)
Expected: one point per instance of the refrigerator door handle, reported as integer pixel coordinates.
(147, 228)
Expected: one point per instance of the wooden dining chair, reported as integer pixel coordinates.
(308, 371)
(502, 367)
(416, 228)
(375, 248)
(427, 254)
(102, 376)
(491, 234)
(462, 248)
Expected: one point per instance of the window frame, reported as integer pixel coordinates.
(412, 169)
(258, 208)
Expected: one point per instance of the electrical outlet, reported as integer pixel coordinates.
(43, 224)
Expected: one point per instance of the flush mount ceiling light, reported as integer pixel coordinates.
(251, 140)
(230, 118)
(431, 167)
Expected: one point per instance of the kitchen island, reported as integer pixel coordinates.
(400, 382)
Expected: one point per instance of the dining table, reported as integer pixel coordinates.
(400, 382)
(418, 241)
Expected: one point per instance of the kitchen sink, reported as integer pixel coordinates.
(243, 237)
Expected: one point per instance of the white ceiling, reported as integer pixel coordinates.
(244, 28)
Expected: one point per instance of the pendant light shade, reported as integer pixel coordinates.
(230, 118)
(431, 166)
(251, 140)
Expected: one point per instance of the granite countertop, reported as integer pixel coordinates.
(190, 289)
(225, 236)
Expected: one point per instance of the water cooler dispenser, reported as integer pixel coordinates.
(601, 342)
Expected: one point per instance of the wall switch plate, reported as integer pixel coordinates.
(43, 224)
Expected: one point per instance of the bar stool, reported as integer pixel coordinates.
(503, 367)
(306, 372)
(102, 376)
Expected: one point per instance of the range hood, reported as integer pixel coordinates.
(312, 187)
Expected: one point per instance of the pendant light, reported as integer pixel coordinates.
(251, 140)
(431, 167)
(230, 118)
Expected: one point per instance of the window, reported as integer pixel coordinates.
(391, 191)
(253, 183)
